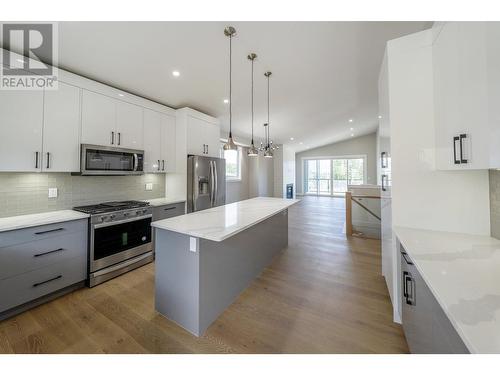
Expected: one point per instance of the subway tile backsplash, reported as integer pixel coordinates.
(27, 193)
(495, 203)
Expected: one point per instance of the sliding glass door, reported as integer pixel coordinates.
(333, 175)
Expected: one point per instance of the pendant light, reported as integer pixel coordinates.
(230, 31)
(252, 151)
(269, 147)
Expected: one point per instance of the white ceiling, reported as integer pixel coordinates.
(324, 73)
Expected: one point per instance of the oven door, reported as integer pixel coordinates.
(117, 241)
(102, 160)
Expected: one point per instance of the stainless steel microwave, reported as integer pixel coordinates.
(110, 161)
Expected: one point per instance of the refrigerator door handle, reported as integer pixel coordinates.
(212, 183)
(216, 179)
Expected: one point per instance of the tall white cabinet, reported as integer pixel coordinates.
(21, 125)
(466, 74)
(61, 129)
(159, 142)
(203, 133)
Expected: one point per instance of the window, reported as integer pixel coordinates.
(332, 176)
(233, 164)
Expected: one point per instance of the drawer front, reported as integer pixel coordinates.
(32, 285)
(29, 256)
(41, 232)
(167, 211)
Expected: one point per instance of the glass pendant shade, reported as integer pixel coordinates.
(268, 153)
(252, 151)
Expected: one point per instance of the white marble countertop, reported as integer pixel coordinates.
(463, 273)
(219, 223)
(44, 218)
(164, 201)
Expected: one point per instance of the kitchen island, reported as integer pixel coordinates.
(205, 259)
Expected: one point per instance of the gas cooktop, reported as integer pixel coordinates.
(94, 209)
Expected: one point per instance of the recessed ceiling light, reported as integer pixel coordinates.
(379, 116)
(226, 101)
(352, 135)
(301, 143)
(351, 120)
(121, 95)
(352, 129)
(291, 138)
(176, 73)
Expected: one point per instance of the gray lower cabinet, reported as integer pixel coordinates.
(40, 261)
(169, 210)
(427, 328)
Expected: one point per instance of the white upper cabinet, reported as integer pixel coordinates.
(129, 126)
(111, 122)
(21, 123)
(159, 142)
(203, 135)
(168, 144)
(466, 92)
(61, 129)
(98, 119)
(152, 141)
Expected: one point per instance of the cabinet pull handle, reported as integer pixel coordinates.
(48, 160)
(112, 138)
(163, 165)
(406, 258)
(382, 157)
(36, 159)
(207, 149)
(47, 281)
(50, 231)
(169, 208)
(119, 138)
(383, 185)
(48, 252)
(158, 164)
(462, 159)
(455, 140)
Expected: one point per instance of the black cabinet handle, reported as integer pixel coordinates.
(119, 138)
(455, 140)
(48, 160)
(47, 281)
(48, 252)
(382, 157)
(49, 231)
(158, 164)
(163, 165)
(408, 288)
(406, 258)
(169, 208)
(462, 159)
(112, 138)
(384, 176)
(36, 159)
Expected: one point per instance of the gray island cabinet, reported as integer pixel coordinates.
(205, 259)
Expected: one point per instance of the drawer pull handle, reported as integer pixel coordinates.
(48, 252)
(407, 259)
(169, 208)
(50, 231)
(47, 281)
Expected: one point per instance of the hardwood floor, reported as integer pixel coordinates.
(323, 294)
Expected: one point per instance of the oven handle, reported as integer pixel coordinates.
(102, 225)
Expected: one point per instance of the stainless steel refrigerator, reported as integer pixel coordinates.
(206, 182)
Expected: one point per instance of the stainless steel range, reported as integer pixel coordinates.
(119, 238)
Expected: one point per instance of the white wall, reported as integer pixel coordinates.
(261, 176)
(284, 170)
(363, 145)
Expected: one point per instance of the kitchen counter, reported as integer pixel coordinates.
(164, 201)
(463, 273)
(34, 220)
(205, 259)
(220, 223)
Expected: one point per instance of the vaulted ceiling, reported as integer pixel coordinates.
(324, 73)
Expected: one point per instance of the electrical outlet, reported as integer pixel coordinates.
(149, 186)
(52, 192)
